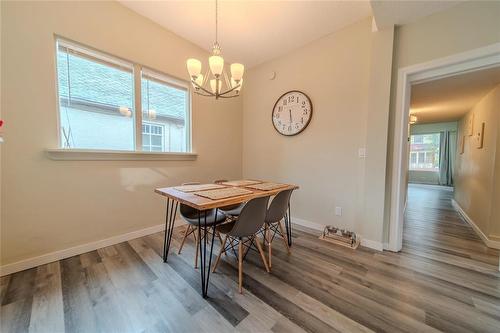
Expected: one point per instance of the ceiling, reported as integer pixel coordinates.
(388, 13)
(253, 32)
(452, 97)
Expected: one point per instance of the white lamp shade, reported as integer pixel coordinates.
(237, 71)
(216, 64)
(193, 67)
(125, 111)
(199, 81)
(234, 84)
(213, 86)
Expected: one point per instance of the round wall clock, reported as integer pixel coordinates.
(292, 113)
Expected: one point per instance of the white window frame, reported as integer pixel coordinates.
(163, 135)
(98, 154)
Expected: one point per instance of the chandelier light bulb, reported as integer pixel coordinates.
(237, 71)
(216, 65)
(193, 67)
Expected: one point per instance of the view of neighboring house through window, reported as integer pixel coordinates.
(164, 107)
(97, 101)
(424, 152)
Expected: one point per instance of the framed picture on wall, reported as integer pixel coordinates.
(462, 144)
(479, 136)
(470, 125)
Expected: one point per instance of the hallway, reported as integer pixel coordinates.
(435, 231)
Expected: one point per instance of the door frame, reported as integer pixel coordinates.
(477, 59)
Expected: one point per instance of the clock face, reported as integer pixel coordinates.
(292, 113)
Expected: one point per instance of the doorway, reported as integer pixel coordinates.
(479, 59)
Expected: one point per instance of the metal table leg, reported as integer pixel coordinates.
(288, 225)
(169, 226)
(204, 270)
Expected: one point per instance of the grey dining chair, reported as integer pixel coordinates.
(272, 227)
(242, 231)
(230, 210)
(190, 215)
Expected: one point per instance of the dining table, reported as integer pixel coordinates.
(206, 197)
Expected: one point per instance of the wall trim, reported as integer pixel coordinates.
(62, 154)
(487, 241)
(80, 249)
(379, 246)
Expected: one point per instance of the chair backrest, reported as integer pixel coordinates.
(251, 218)
(278, 207)
(218, 181)
(185, 209)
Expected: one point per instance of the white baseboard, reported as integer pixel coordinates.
(487, 241)
(79, 249)
(379, 246)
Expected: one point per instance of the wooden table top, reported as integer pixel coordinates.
(202, 203)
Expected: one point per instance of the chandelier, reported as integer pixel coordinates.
(215, 82)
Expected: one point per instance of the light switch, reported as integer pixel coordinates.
(362, 152)
(338, 211)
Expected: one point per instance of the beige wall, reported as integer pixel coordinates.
(464, 27)
(474, 173)
(495, 203)
(336, 72)
(52, 205)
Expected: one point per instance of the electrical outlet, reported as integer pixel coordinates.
(338, 211)
(362, 152)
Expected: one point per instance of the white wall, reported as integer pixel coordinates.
(52, 205)
(347, 77)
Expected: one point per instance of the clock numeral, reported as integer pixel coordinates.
(289, 128)
(302, 120)
(284, 102)
(279, 108)
(297, 126)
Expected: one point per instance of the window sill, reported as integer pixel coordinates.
(115, 155)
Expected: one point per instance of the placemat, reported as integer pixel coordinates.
(223, 193)
(243, 182)
(266, 186)
(198, 187)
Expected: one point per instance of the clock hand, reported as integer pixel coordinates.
(290, 110)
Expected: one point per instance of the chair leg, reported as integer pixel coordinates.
(240, 266)
(283, 237)
(220, 254)
(269, 246)
(262, 256)
(218, 235)
(197, 246)
(186, 233)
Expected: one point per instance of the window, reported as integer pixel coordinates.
(424, 152)
(97, 105)
(153, 137)
(164, 104)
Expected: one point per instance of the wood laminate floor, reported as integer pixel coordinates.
(443, 279)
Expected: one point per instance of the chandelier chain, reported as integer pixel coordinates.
(216, 22)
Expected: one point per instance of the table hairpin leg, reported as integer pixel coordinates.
(288, 225)
(204, 270)
(169, 226)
